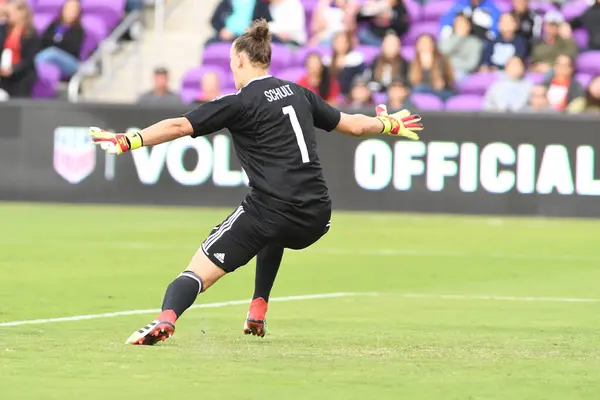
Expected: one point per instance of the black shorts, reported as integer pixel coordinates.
(240, 237)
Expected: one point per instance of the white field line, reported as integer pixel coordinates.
(498, 298)
(333, 251)
(156, 311)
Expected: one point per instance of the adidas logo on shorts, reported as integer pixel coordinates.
(220, 257)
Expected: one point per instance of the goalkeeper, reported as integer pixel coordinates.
(272, 124)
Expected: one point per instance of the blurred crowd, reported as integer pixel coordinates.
(528, 52)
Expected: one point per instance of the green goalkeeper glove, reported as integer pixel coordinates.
(402, 123)
(116, 143)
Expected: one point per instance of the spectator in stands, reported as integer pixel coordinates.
(558, 39)
(346, 63)
(398, 97)
(232, 17)
(19, 46)
(319, 80)
(590, 102)
(484, 16)
(563, 88)
(381, 16)
(210, 87)
(327, 20)
(3, 12)
(590, 21)
(462, 49)
(528, 21)
(538, 100)
(430, 71)
(510, 93)
(360, 95)
(62, 41)
(289, 22)
(160, 94)
(388, 66)
(508, 44)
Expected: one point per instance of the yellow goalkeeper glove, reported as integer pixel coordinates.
(116, 143)
(402, 123)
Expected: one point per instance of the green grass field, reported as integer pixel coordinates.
(443, 308)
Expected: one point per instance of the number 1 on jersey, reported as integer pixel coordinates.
(289, 111)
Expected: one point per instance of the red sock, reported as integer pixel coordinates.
(167, 315)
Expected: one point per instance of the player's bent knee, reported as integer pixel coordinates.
(205, 269)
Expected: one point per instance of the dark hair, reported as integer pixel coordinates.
(256, 43)
(590, 100)
(77, 21)
(333, 65)
(325, 82)
(440, 69)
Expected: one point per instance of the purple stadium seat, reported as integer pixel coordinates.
(476, 83)
(504, 7)
(281, 57)
(48, 6)
(433, 11)
(379, 98)
(192, 78)
(425, 101)
(419, 29)
(188, 95)
(95, 31)
(47, 82)
(573, 9)
(291, 74)
(42, 21)
(111, 11)
(408, 52)
(581, 36)
(584, 79)
(216, 54)
(465, 102)
(369, 53)
(299, 56)
(536, 78)
(415, 11)
(542, 7)
(589, 62)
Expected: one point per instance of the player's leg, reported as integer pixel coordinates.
(268, 261)
(229, 246)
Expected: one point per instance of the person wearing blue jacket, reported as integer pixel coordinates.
(484, 16)
(507, 45)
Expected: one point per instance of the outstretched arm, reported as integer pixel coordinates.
(359, 125)
(402, 123)
(166, 130)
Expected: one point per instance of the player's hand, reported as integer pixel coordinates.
(402, 123)
(115, 143)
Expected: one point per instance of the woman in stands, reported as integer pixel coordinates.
(63, 40)
(318, 79)
(590, 102)
(563, 88)
(430, 71)
(346, 63)
(19, 44)
(388, 66)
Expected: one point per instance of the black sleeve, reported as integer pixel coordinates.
(73, 41)
(29, 48)
(48, 37)
(325, 116)
(223, 112)
(400, 21)
(219, 15)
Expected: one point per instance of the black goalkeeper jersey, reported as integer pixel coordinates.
(272, 124)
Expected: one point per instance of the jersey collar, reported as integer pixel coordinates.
(259, 78)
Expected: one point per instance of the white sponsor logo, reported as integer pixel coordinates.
(496, 167)
(220, 257)
(74, 153)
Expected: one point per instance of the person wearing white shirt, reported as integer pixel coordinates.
(289, 22)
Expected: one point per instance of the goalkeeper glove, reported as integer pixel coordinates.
(116, 143)
(402, 123)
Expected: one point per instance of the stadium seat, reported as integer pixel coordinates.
(192, 78)
(48, 6)
(581, 37)
(189, 95)
(379, 98)
(416, 30)
(535, 77)
(414, 9)
(42, 21)
(111, 11)
(46, 85)
(434, 10)
(477, 83)
(572, 9)
(465, 102)
(426, 102)
(299, 56)
(589, 62)
(408, 52)
(584, 79)
(369, 53)
(542, 7)
(291, 74)
(216, 54)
